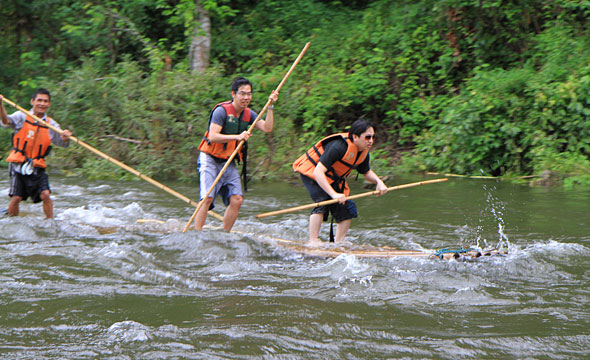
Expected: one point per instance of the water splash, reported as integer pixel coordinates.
(497, 208)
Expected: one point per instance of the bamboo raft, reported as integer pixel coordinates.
(332, 250)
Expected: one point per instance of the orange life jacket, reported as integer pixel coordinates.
(338, 172)
(234, 124)
(32, 141)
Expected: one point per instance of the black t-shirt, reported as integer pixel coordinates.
(335, 150)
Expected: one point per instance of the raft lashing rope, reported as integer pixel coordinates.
(463, 253)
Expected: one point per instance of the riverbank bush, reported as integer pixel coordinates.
(518, 120)
(462, 86)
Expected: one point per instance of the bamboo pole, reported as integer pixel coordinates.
(333, 201)
(463, 176)
(109, 158)
(241, 143)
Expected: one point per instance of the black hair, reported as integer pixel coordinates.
(240, 81)
(41, 91)
(358, 127)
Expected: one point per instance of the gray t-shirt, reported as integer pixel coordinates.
(17, 121)
(219, 116)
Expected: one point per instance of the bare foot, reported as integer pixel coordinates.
(314, 243)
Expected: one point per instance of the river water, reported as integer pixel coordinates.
(95, 284)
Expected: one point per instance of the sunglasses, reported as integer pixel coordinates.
(369, 137)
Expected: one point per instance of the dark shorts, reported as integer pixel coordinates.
(340, 212)
(27, 186)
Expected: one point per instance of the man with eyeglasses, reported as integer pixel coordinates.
(228, 125)
(323, 170)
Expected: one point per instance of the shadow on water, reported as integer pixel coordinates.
(95, 283)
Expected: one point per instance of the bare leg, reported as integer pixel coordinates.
(232, 211)
(341, 229)
(202, 214)
(315, 223)
(47, 204)
(13, 207)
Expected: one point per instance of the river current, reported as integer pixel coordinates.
(95, 284)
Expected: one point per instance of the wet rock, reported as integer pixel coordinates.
(548, 178)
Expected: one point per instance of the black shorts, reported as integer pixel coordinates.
(27, 186)
(339, 211)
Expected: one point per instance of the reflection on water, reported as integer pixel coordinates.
(95, 283)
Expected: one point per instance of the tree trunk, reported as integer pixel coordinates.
(201, 43)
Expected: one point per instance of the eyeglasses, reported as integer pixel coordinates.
(369, 137)
(243, 93)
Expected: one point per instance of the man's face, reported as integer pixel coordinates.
(243, 96)
(40, 104)
(365, 140)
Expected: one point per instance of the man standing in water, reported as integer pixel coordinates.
(323, 170)
(31, 142)
(228, 125)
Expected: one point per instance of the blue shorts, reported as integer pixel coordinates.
(229, 184)
(339, 211)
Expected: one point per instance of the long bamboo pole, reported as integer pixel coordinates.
(333, 201)
(241, 143)
(109, 158)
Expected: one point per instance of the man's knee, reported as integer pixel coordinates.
(16, 199)
(45, 195)
(206, 203)
(236, 200)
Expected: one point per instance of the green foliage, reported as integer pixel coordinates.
(505, 121)
(165, 112)
(466, 86)
(97, 169)
(572, 168)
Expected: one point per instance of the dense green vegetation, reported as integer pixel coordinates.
(471, 87)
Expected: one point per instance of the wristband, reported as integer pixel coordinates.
(271, 107)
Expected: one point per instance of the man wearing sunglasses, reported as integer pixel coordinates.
(323, 170)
